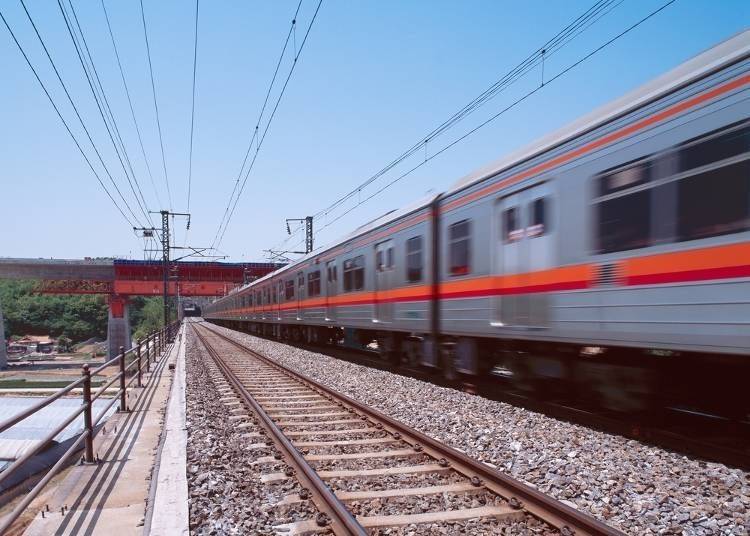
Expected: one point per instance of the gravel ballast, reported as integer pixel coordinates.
(226, 494)
(637, 488)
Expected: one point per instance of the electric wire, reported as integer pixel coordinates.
(156, 105)
(108, 108)
(101, 101)
(512, 105)
(75, 109)
(535, 58)
(270, 120)
(254, 134)
(598, 10)
(130, 103)
(192, 112)
(62, 119)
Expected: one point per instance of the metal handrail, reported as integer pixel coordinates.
(154, 344)
(36, 407)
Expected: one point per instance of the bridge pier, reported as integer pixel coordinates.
(3, 353)
(118, 326)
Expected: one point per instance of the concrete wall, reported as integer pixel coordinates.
(118, 332)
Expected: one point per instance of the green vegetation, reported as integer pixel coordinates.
(76, 318)
(146, 315)
(32, 384)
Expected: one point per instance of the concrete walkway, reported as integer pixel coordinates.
(168, 507)
(110, 497)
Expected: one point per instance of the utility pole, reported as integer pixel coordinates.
(165, 262)
(165, 247)
(308, 221)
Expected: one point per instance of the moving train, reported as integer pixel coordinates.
(610, 259)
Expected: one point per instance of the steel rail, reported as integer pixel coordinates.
(536, 503)
(342, 521)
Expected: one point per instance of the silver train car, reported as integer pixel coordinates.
(612, 256)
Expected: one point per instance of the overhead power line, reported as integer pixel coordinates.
(130, 103)
(567, 34)
(102, 103)
(518, 101)
(262, 137)
(192, 112)
(62, 119)
(156, 105)
(254, 133)
(598, 10)
(75, 109)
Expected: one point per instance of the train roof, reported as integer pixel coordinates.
(385, 219)
(712, 59)
(725, 53)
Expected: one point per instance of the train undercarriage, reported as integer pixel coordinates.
(613, 379)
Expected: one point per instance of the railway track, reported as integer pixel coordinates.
(692, 436)
(366, 472)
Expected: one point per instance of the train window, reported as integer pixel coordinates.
(625, 222)
(459, 247)
(512, 230)
(714, 147)
(538, 218)
(289, 289)
(354, 274)
(714, 202)
(414, 259)
(715, 198)
(332, 275)
(384, 259)
(624, 213)
(313, 283)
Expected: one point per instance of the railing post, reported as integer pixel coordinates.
(149, 339)
(138, 357)
(88, 427)
(123, 403)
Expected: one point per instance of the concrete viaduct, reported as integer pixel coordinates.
(120, 279)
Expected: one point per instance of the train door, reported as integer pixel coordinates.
(279, 298)
(523, 245)
(300, 293)
(384, 281)
(332, 281)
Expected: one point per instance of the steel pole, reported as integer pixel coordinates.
(123, 403)
(87, 422)
(138, 357)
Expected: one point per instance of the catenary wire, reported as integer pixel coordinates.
(62, 119)
(192, 112)
(560, 74)
(108, 108)
(255, 130)
(270, 120)
(156, 105)
(103, 106)
(130, 103)
(547, 50)
(78, 115)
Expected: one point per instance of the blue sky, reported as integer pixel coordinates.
(374, 77)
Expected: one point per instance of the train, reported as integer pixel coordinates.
(610, 259)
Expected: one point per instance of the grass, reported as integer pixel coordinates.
(51, 384)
